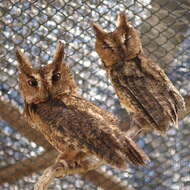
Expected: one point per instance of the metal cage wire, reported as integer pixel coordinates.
(35, 26)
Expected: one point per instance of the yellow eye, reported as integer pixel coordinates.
(56, 77)
(33, 82)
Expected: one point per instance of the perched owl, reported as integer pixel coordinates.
(69, 122)
(141, 85)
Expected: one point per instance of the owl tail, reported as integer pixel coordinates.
(117, 149)
(127, 151)
(173, 106)
(133, 153)
(130, 151)
(177, 106)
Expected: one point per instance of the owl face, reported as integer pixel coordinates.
(50, 81)
(119, 45)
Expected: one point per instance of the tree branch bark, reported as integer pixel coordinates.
(102, 179)
(26, 167)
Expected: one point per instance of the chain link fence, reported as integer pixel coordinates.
(35, 26)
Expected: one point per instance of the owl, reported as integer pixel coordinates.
(69, 122)
(140, 84)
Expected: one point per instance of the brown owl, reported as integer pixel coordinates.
(69, 122)
(141, 85)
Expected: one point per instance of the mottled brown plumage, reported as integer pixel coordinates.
(69, 122)
(141, 85)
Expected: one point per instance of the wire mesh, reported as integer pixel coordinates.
(35, 26)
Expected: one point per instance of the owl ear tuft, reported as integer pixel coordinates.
(59, 52)
(99, 32)
(121, 20)
(24, 63)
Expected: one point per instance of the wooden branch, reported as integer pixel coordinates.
(102, 179)
(61, 168)
(44, 181)
(26, 167)
(15, 119)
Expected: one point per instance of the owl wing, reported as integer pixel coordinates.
(152, 93)
(158, 74)
(109, 117)
(92, 135)
(141, 98)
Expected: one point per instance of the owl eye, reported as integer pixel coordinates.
(56, 77)
(33, 82)
(106, 46)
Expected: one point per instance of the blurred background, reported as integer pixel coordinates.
(35, 26)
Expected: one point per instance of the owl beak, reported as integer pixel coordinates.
(48, 94)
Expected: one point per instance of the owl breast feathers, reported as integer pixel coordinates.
(53, 106)
(141, 85)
